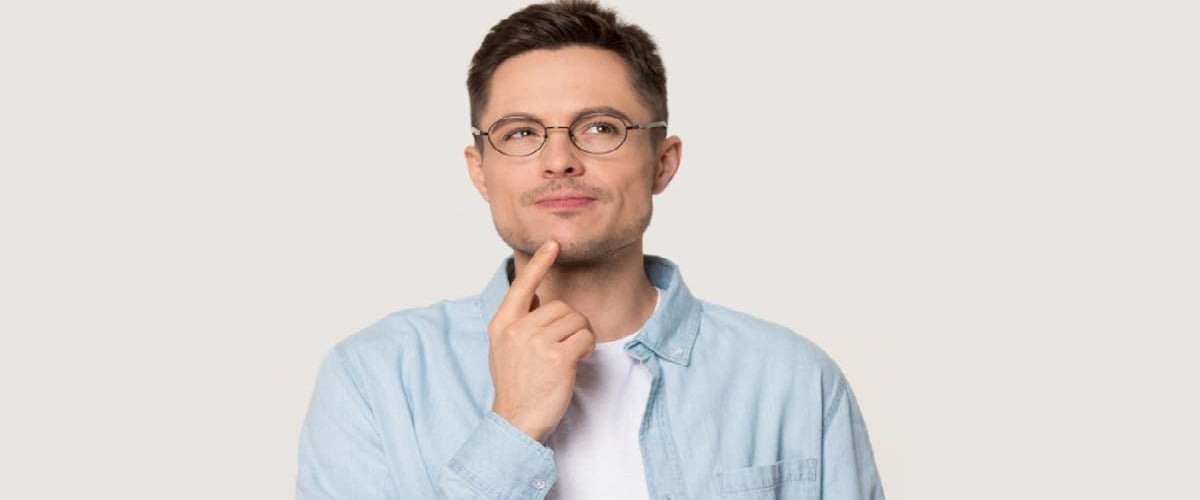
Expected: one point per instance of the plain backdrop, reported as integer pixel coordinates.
(985, 212)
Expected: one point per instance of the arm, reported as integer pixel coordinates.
(342, 455)
(848, 465)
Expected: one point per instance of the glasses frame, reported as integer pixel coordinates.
(546, 132)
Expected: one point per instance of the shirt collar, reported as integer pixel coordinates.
(671, 330)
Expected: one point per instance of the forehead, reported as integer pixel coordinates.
(554, 84)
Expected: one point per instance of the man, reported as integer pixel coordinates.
(585, 369)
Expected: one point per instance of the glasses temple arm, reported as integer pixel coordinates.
(649, 125)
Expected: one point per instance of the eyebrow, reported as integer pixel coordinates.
(585, 111)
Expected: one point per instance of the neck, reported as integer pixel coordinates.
(613, 292)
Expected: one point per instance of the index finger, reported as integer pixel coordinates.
(520, 293)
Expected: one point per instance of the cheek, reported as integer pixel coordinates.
(634, 199)
(503, 198)
(505, 208)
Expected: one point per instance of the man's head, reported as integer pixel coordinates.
(554, 63)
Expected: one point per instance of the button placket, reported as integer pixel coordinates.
(663, 472)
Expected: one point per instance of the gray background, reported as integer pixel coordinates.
(986, 212)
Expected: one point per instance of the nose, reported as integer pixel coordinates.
(559, 157)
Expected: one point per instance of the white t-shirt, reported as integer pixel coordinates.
(596, 449)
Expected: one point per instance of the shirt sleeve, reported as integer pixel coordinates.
(848, 463)
(341, 453)
(499, 461)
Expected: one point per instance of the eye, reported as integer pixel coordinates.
(519, 133)
(600, 128)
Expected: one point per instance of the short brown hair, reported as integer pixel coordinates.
(562, 23)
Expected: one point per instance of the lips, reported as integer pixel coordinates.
(560, 202)
(565, 195)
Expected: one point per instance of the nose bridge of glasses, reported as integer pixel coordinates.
(566, 128)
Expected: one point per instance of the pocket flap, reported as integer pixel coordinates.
(765, 476)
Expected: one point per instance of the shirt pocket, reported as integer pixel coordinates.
(787, 479)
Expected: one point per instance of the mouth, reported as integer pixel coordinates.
(568, 203)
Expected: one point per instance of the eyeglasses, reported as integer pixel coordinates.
(595, 133)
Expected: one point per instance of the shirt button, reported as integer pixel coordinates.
(675, 351)
(539, 483)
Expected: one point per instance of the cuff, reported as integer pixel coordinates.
(499, 460)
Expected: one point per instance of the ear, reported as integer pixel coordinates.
(670, 151)
(475, 171)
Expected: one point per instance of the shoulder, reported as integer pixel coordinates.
(762, 338)
(777, 351)
(388, 336)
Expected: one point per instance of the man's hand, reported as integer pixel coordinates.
(533, 353)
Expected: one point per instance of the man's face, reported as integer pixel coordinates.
(554, 86)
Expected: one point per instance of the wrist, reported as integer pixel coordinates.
(534, 432)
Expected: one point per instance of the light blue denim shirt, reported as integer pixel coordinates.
(739, 407)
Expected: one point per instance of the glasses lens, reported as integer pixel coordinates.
(598, 133)
(517, 137)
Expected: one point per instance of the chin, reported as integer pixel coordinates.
(571, 250)
(578, 243)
